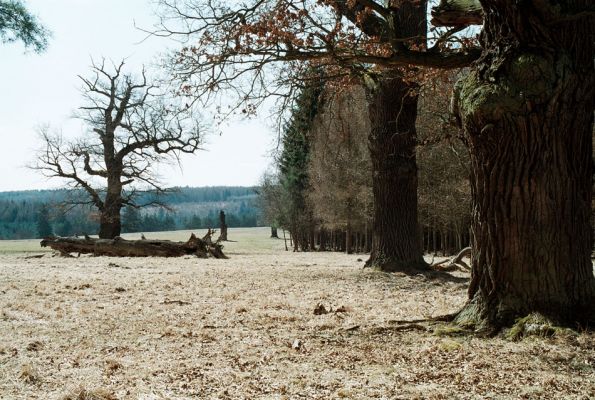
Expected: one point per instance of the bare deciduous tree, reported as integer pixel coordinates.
(444, 193)
(131, 128)
(340, 168)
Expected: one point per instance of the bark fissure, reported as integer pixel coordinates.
(392, 105)
(527, 111)
(396, 245)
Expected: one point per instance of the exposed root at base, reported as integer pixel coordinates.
(454, 263)
(409, 267)
(532, 324)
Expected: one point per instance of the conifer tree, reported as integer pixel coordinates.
(18, 24)
(293, 164)
(44, 228)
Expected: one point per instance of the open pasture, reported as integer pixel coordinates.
(246, 328)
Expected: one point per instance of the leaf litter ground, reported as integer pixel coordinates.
(265, 324)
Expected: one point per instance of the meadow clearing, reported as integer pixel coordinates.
(265, 324)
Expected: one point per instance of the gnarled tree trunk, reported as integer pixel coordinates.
(110, 224)
(527, 112)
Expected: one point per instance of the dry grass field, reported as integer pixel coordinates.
(245, 328)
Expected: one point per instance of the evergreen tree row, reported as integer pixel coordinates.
(34, 214)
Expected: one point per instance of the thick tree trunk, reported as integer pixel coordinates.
(110, 224)
(527, 111)
(274, 233)
(395, 230)
(392, 104)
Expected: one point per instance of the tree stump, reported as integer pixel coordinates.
(222, 227)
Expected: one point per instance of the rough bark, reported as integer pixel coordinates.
(457, 13)
(119, 247)
(395, 232)
(392, 104)
(110, 223)
(527, 112)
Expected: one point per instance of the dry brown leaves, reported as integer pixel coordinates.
(249, 332)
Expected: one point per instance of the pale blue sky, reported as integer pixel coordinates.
(43, 89)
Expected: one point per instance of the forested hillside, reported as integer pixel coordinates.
(36, 213)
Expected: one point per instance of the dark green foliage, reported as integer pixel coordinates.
(131, 220)
(44, 228)
(293, 164)
(167, 221)
(18, 219)
(193, 222)
(64, 226)
(18, 24)
(192, 208)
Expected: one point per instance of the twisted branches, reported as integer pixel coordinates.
(132, 127)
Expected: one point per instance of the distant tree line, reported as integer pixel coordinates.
(134, 220)
(37, 213)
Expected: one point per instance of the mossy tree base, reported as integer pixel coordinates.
(515, 325)
(526, 109)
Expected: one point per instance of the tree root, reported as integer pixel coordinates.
(409, 267)
(399, 328)
(454, 263)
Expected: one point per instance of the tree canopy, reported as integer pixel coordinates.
(263, 48)
(18, 24)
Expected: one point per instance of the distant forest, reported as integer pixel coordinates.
(37, 213)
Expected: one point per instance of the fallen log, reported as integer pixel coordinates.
(118, 247)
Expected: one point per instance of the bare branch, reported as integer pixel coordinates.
(263, 48)
(133, 126)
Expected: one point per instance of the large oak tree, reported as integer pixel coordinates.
(131, 128)
(527, 113)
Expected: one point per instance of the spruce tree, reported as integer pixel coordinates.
(294, 160)
(44, 228)
(131, 220)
